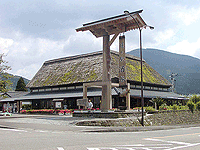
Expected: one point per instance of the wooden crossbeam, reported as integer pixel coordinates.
(113, 38)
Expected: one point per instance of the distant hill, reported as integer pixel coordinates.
(15, 79)
(165, 63)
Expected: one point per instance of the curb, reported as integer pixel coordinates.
(137, 129)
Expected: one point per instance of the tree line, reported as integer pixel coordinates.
(5, 82)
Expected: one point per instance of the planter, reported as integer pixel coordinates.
(97, 111)
(85, 111)
(111, 111)
(60, 114)
(77, 111)
(67, 114)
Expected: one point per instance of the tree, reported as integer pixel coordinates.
(195, 98)
(21, 86)
(158, 101)
(5, 83)
(191, 105)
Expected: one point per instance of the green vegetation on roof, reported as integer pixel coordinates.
(67, 76)
(87, 69)
(92, 76)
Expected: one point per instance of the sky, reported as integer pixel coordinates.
(34, 31)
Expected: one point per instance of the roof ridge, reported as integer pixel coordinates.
(72, 57)
(127, 55)
(87, 55)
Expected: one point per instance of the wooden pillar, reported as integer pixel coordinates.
(128, 98)
(122, 70)
(106, 102)
(122, 63)
(18, 106)
(84, 93)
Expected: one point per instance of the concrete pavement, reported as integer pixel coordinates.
(68, 123)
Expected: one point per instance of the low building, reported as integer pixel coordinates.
(7, 100)
(59, 82)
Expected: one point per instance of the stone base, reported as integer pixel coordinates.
(122, 114)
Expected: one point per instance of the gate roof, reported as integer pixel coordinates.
(116, 24)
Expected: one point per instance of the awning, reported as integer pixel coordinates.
(58, 100)
(61, 95)
(154, 94)
(7, 100)
(135, 93)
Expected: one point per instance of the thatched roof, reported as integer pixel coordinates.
(88, 68)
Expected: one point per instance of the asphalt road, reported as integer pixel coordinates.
(59, 134)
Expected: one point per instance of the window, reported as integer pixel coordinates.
(35, 90)
(48, 89)
(63, 88)
(55, 89)
(155, 88)
(71, 87)
(165, 89)
(138, 86)
(79, 87)
(41, 90)
(132, 86)
(147, 87)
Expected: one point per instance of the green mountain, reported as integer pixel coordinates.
(14, 81)
(165, 63)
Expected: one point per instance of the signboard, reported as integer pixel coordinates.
(122, 62)
(58, 104)
(82, 102)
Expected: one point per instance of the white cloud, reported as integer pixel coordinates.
(186, 15)
(5, 44)
(185, 47)
(161, 37)
(27, 54)
(82, 42)
(28, 71)
(48, 46)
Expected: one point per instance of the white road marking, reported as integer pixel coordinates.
(180, 147)
(134, 145)
(41, 131)
(173, 142)
(185, 145)
(15, 130)
(102, 148)
(144, 145)
(127, 148)
(60, 148)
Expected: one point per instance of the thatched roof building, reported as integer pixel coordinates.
(60, 81)
(88, 68)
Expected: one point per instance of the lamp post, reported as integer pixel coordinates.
(141, 64)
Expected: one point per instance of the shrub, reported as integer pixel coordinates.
(191, 105)
(159, 101)
(198, 105)
(175, 107)
(26, 106)
(149, 109)
(163, 107)
(184, 107)
(169, 107)
(195, 98)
